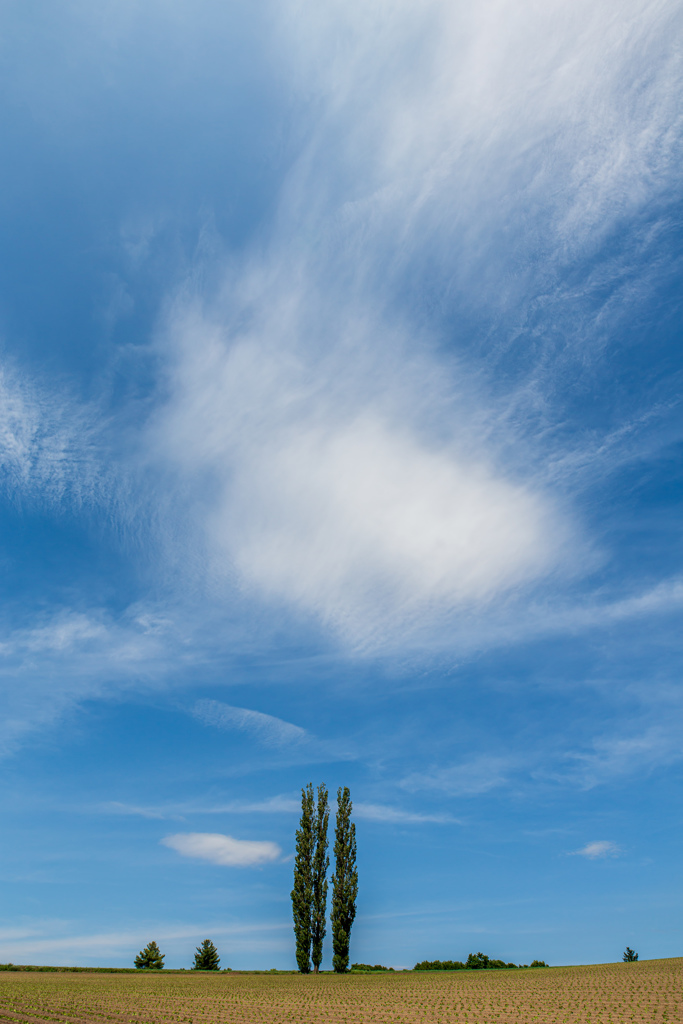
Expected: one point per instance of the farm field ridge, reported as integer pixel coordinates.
(648, 992)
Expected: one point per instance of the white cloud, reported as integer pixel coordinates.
(397, 816)
(269, 730)
(67, 656)
(598, 849)
(137, 811)
(331, 496)
(336, 467)
(313, 454)
(517, 621)
(611, 757)
(434, 110)
(663, 598)
(278, 805)
(271, 805)
(362, 522)
(471, 778)
(223, 850)
(50, 446)
(274, 805)
(62, 940)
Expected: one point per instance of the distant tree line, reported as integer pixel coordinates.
(309, 894)
(474, 962)
(366, 968)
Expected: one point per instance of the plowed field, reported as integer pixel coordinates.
(640, 993)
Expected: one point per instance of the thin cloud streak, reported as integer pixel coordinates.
(471, 778)
(380, 813)
(69, 656)
(397, 816)
(613, 757)
(266, 728)
(598, 850)
(37, 940)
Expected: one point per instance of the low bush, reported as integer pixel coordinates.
(475, 962)
(440, 965)
(364, 968)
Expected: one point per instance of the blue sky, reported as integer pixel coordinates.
(341, 441)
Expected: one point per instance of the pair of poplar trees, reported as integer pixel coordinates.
(309, 895)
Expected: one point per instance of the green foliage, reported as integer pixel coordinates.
(365, 968)
(150, 958)
(475, 962)
(302, 893)
(629, 956)
(439, 965)
(321, 862)
(344, 882)
(206, 958)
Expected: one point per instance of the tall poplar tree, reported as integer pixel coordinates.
(302, 893)
(344, 882)
(321, 862)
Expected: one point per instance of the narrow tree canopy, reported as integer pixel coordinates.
(321, 862)
(344, 882)
(302, 893)
(630, 956)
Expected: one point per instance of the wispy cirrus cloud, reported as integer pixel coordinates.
(601, 760)
(479, 775)
(350, 476)
(381, 813)
(617, 756)
(267, 729)
(223, 850)
(68, 655)
(598, 850)
(388, 815)
(63, 940)
(519, 621)
(307, 451)
(51, 446)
